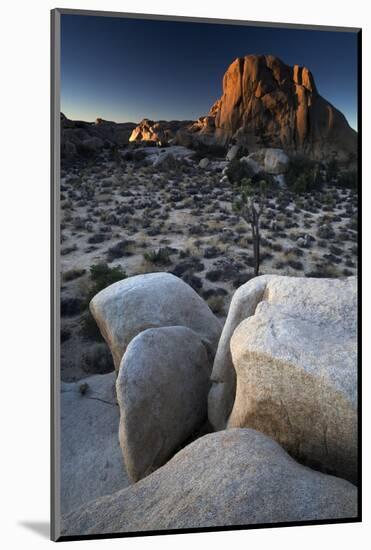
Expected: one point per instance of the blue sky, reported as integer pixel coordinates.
(128, 69)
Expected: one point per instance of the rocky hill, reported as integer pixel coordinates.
(79, 137)
(266, 103)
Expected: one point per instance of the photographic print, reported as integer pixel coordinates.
(206, 193)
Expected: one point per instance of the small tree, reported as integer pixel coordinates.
(250, 205)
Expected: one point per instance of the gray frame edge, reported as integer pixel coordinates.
(55, 276)
(190, 19)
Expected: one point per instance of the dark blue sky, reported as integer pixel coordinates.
(128, 69)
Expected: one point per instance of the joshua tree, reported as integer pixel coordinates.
(250, 205)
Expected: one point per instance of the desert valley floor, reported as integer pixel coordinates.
(180, 219)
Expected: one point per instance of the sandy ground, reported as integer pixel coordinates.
(187, 209)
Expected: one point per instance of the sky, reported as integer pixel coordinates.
(128, 69)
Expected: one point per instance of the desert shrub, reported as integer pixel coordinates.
(85, 151)
(335, 250)
(324, 271)
(89, 328)
(216, 304)
(325, 231)
(118, 250)
(348, 178)
(98, 360)
(171, 164)
(332, 169)
(192, 264)
(68, 249)
(84, 388)
(237, 171)
(303, 175)
(71, 306)
(158, 257)
(295, 264)
(218, 291)
(97, 238)
(72, 274)
(332, 258)
(214, 275)
(193, 281)
(209, 151)
(136, 156)
(213, 251)
(101, 276)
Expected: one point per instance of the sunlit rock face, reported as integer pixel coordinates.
(161, 132)
(266, 103)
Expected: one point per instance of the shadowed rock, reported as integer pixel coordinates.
(162, 389)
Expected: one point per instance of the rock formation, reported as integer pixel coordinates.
(291, 344)
(160, 132)
(266, 103)
(128, 307)
(81, 138)
(234, 477)
(162, 388)
(271, 161)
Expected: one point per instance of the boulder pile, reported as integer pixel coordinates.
(277, 387)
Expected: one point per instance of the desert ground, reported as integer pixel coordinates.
(120, 210)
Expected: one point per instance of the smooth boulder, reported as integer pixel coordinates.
(270, 160)
(132, 305)
(223, 377)
(233, 477)
(204, 163)
(91, 463)
(276, 161)
(162, 388)
(296, 365)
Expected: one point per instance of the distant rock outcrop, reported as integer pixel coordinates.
(84, 138)
(160, 132)
(266, 103)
